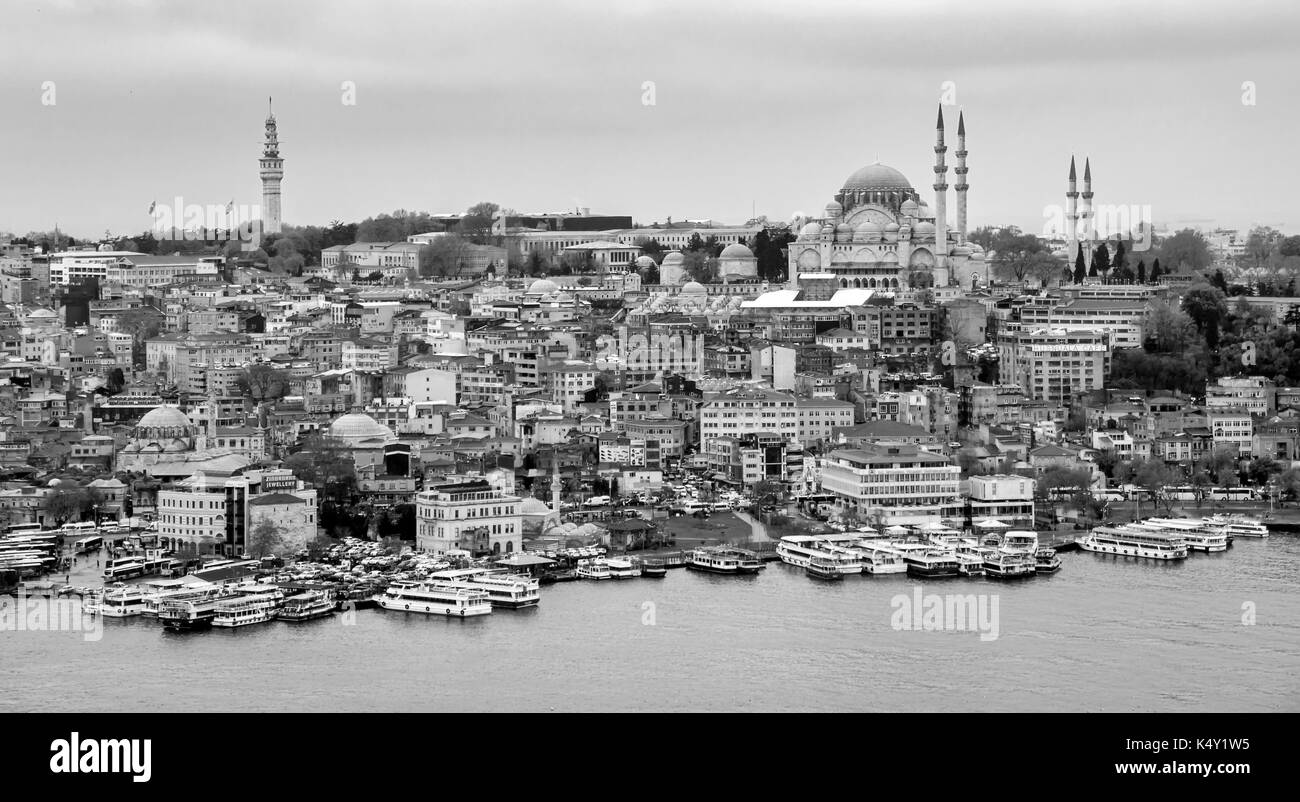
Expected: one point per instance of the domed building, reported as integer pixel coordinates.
(359, 430)
(162, 434)
(542, 286)
(737, 263)
(672, 271)
(880, 234)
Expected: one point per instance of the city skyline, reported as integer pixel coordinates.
(792, 101)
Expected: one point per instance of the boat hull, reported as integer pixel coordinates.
(709, 569)
(434, 608)
(1133, 551)
(932, 572)
(299, 617)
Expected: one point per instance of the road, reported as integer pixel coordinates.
(758, 528)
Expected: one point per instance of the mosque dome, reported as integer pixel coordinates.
(165, 417)
(891, 227)
(736, 251)
(674, 258)
(810, 231)
(543, 286)
(844, 232)
(834, 209)
(877, 178)
(693, 288)
(924, 227)
(358, 426)
(643, 262)
(43, 313)
(909, 208)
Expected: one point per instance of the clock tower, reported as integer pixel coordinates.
(272, 172)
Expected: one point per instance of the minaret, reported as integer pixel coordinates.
(272, 173)
(940, 196)
(212, 419)
(1085, 213)
(555, 484)
(1072, 214)
(960, 170)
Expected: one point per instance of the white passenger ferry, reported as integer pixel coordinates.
(877, 559)
(1238, 526)
(620, 568)
(119, 601)
(1199, 534)
(1008, 565)
(802, 550)
(160, 590)
(504, 590)
(724, 560)
(1019, 541)
(596, 568)
(454, 599)
(1131, 541)
(254, 606)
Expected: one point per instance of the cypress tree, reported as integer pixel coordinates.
(1142, 272)
(1079, 270)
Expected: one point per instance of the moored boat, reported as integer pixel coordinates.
(452, 599)
(620, 568)
(1133, 541)
(1046, 561)
(306, 606)
(654, 568)
(254, 606)
(724, 560)
(1002, 565)
(596, 568)
(823, 568)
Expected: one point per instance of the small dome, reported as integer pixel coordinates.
(693, 288)
(55, 482)
(673, 258)
(43, 313)
(925, 227)
(164, 417)
(809, 231)
(834, 209)
(909, 208)
(358, 426)
(736, 251)
(891, 227)
(844, 232)
(642, 262)
(543, 286)
(533, 506)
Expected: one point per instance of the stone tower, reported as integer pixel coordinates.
(272, 173)
(555, 485)
(940, 196)
(1086, 216)
(960, 170)
(1072, 215)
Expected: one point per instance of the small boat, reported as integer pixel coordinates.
(823, 568)
(119, 601)
(306, 606)
(1046, 561)
(451, 599)
(595, 568)
(724, 560)
(254, 607)
(620, 568)
(654, 569)
(1001, 565)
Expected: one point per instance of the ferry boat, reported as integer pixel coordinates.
(1002, 565)
(1130, 541)
(1238, 526)
(595, 568)
(504, 589)
(927, 560)
(824, 568)
(878, 560)
(724, 561)
(162, 590)
(306, 606)
(654, 569)
(969, 562)
(1016, 541)
(185, 614)
(119, 601)
(801, 550)
(1046, 561)
(620, 568)
(1199, 534)
(255, 606)
(453, 599)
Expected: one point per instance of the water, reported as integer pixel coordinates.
(1104, 634)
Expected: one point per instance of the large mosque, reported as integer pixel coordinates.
(878, 233)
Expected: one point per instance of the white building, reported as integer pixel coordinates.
(895, 484)
(468, 516)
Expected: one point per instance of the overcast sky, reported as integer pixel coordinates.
(539, 106)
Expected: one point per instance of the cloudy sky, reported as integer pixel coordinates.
(757, 105)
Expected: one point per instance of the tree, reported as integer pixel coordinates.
(263, 382)
(1288, 484)
(1101, 260)
(1187, 251)
(67, 502)
(1259, 243)
(1219, 281)
(1063, 478)
(1154, 476)
(1120, 261)
(266, 539)
(476, 224)
(444, 257)
(1142, 272)
(1260, 470)
(324, 462)
(1015, 252)
(1156, 273)
(1168, 328)
(1221, 465)
(114, 381)
(1080, 271)
(1205, 305)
